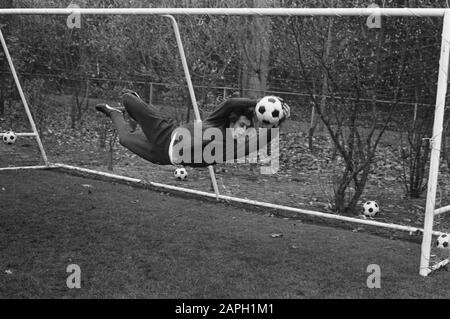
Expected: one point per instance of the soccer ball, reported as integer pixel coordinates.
(180, 173)
(269, 111)
(370, 208)
(443, 241)
(9, 138)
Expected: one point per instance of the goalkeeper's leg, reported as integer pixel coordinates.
(156, 127)
(137, 142)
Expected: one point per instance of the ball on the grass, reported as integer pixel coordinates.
(269, 111)
(443, 241)
(370, 208)
(180, 173)
(9, 138)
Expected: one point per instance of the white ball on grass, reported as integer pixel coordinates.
(443, 241)
(180, 173)
(370, 208)
(9, 138)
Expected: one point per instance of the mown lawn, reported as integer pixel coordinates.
(137, 243)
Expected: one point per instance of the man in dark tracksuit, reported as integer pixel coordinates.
(159, 134)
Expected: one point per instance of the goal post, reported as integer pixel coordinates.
(430, 211)
(35, 132)
(435, 144)
(176, 29)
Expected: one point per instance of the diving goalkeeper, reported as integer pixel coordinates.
(163, 141)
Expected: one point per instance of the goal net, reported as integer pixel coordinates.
(362, 92)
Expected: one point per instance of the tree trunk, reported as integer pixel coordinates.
(255, 52)
(86, 95)
(359, 187)
(112, 142)
(446, 143)
(315, 120)
(2, 96)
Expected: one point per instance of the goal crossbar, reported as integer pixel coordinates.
(430, 211)
(393, 12)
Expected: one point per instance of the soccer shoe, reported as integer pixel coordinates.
(128, 91)
(106, 109)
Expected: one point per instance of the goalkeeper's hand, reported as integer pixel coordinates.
(286, 109)
(286, 112)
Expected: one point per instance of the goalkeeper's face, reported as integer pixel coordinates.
(240, 126)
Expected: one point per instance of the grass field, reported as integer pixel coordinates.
(132, 243)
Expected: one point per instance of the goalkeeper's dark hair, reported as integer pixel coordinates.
(235, 115)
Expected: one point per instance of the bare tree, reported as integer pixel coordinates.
(343, 115)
